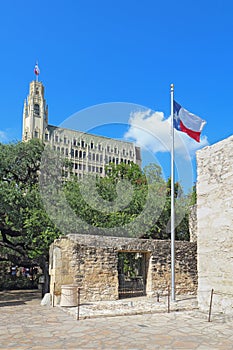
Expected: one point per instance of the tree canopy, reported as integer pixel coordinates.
(127, 199)
(25, 228)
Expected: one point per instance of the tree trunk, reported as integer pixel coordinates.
(45, 269)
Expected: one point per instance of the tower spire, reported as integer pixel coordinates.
(35, 112)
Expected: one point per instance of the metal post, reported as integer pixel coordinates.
(78, 304)
(53, 294)
(168, 299)
(211, 301)
(173, 295)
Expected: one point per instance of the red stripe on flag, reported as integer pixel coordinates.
(193, 134)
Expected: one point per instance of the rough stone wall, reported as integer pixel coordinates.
(61, 267)
(215, 225)
(91, 263)
(96, 272)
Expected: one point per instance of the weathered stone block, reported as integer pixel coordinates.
(91, 262)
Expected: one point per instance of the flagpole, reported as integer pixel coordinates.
(173, 293)
(37, 74)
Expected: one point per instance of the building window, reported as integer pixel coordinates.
(89, 168)
(62, 150)
(99, 147)
(76, 153)
(65, 139)
(84, 154)
(36, 134)
(92, 145)
(97, 157)
(36, 109)
(72, 152)
(115, 150)
(74, 142)
(82, 143)
(46, 137)
(93, 169)
(117, 160)
(101, 170)
(101, 157)
(89, 156)
(84, 167)
(56, 138)
(80, 154)
(75, 165)
(93, 156)
(67, 151)
(80, 166)
(108, 149)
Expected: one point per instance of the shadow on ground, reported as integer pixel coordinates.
(18, 297)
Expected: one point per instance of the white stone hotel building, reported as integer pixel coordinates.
(88, 153)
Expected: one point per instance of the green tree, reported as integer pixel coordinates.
(25, 228)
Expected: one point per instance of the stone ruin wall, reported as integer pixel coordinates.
(215, 225)
(91, 263)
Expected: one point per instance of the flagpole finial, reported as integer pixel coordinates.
(172, 86)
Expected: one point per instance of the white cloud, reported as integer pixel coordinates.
(151, 131)
(3, 136)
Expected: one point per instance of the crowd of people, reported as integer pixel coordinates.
(30, 272)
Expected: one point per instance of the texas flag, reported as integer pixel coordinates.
(187, 122)
(37, 69)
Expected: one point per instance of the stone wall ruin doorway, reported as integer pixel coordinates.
(132, 274)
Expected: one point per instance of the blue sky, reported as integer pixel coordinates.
(93, 52)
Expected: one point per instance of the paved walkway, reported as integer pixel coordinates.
(25, 324)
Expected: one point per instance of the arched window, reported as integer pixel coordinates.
(36, 109)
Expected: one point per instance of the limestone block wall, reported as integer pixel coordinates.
(91, 263)
(215, 225)
(96, 272)
(61, 267)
